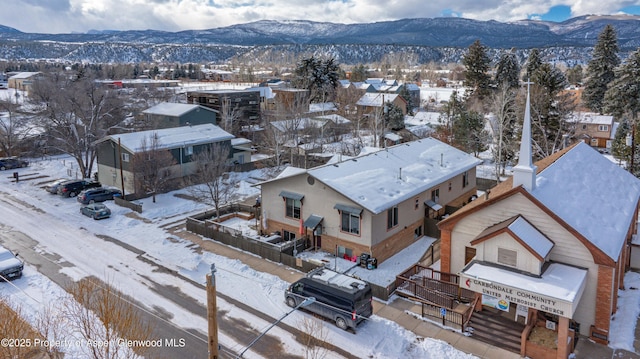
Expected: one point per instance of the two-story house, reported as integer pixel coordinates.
(115, 153)
(376, 203)
(372, 104)
(593, 129)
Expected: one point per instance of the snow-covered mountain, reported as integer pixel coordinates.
(437, 39)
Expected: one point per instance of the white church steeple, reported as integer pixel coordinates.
(525, 172)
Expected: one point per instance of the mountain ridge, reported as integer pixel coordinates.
(225, 43)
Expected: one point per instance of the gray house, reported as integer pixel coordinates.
(168, 114)
(115, 152)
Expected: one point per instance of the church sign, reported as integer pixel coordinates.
(518, 296)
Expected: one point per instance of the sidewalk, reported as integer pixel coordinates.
(397, 310)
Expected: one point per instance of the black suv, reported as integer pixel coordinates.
(8, 163)
(73, 187)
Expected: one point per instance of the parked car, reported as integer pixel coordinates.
(8, 163)
(344, 300)
(73, 187)
(101, 194)
(10, 266)
(52, 187)
(96, 210)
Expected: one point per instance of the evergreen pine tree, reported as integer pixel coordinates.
(320, 77)
(601, 69)
(508, 70)
(533, 63)
(619, 148)
(621, 98)
(476, 62)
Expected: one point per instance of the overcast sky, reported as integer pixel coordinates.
(65, 16)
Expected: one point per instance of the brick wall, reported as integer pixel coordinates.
(445, 250)
(604, 302)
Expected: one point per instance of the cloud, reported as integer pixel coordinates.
(60, 16)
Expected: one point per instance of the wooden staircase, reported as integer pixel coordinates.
(492, 328)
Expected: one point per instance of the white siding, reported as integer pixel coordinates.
(567, 249)
(525, 260)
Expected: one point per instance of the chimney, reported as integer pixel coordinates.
(525, 172)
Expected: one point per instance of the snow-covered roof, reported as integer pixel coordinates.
(290, 171)
(392, 136)
(173, 137)
(531, 236)
(335, 118)
(322, 107)
(376, 99)
(173, 109)
(24, 75)
(385, 178)
(239, 141)
(593, 195)
(297, 124)
(590, 118)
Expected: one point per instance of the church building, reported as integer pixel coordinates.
(551, 244)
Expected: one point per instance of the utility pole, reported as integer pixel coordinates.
(212, 313)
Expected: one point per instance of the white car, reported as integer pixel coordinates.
(10, 266)
(52, 187)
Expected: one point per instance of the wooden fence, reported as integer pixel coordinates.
(281, 252)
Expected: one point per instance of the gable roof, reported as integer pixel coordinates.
(374, 99)
(590, 194)
(174, 109)
(175, 137)
(382, 179)
(523, 232)
(590, 118)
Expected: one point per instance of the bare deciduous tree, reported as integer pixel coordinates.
(314, 338)
(76, 111)
(215, 186)
(152, 166)
(14, 128)
(13, 326)
(101, 314)
(504, 133)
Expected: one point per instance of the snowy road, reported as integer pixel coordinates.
(64, 249)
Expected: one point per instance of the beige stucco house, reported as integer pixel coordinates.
(376, 203)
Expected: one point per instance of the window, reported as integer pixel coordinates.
(417, 233)
(449, 186)
(288, 236)
(584, 127)
(603, 128)
(392, 217)
(435, 195)
(125, 157)
(188, 151)
(345, 252)
(465, 179)
(293, 208)
(417, 204)
(507, 257)
(350, 222)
